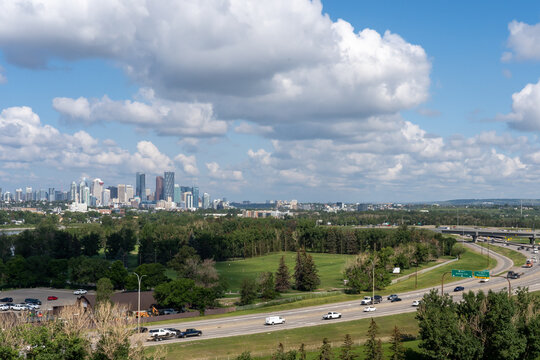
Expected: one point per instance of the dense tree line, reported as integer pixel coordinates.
(482, 326)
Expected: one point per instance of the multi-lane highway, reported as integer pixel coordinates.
(352, 310)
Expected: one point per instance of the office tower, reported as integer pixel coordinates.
(86, 195)
(206, 201)
(147, 194)
(140, 185)
(51, 194)
(97, 190)
(1, 193)
(28, 196)
(177, 194)
(159, 188)
(189, 200)
(168, 186)
(129, 193)
(18, 195)
(122, 194)
(106, 197)
(82, 185)
(195, 192)
(58, 195)
(73, 191)
(114, 192)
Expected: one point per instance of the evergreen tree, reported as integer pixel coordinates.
(267, 285)
(346, 349)
(283, 282)
(325, 351)
(398, 352)
(104, 290)
(373, 348)
(246, 355)
(305, 272)
(248, 291)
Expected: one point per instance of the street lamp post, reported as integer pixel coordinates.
(139, 278)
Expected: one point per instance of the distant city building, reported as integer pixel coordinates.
(189, 200)
(73, 191)
(114, 192)
(18, 195)
(28, 196)
(140, 185)
(106, 197)
(51, 195)
(168, 186)
(122, 194)
(42, 195)
(177, 194)
(159, 188)
(206, 201)
(58, 195)
(97, 190)
(129, 193)
(195, 192)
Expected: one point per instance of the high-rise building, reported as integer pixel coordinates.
(189, 200)
(168, 186)
(97, 190)
(195, 192)
(140, 185)
(129, 193)
(177, 194)
(159, 188)
(51, 194)
(28, 196)
(206, 201)
(42, 195)
(122, 194)
(106, 198)
(114, 192)
(58, 195)
(73, 191)
(18, 195)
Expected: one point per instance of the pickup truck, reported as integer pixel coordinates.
(160, 334)
(189, 332)
(366, 300)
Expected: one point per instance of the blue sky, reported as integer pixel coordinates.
(354, 101)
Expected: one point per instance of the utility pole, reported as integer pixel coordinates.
(139, 278)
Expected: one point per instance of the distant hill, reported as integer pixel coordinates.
(490, 202)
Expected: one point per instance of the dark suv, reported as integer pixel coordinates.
(377, 299)
(190, 332)
(32, 301)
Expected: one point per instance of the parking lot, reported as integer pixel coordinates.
(65, 297)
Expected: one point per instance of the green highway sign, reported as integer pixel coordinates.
(484, 274)
(462, 273)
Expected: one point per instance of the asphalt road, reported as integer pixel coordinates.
(351, 310)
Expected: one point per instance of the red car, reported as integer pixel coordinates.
(52, 298)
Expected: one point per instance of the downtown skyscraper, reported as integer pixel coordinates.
(168, 186)
(140, 185)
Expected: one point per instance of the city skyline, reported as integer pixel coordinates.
(308, 100)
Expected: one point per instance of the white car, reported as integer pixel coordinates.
(416, 303)
(272, 320)
(32, 306)
(484, 280)
(331, 315)
(4, 307)
(19, 307)
(366, 300)
(79, 292)
(369, 308)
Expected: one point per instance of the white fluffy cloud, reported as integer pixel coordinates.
(164, 117)
(189, 164)
(216, 173)
(524, 40)
(271, 62)
(525, 113)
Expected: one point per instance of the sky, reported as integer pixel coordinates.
(354, 101)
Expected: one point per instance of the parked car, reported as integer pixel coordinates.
(390, 297)
(331, 315)
(79, 292)
(169, 311)
(4, 307)
(272, 320)
(19, 307)
(51, 298)
(366, 300)
(6, 299)
(193, 332)
(31, 306)
(369, 308)
(395, 299)
(32, 301)
(416, 302)
(459, 288)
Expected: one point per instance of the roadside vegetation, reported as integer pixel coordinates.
(517, 258)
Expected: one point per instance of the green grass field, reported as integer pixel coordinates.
(517, 257)
(264, 344)
(330, 268)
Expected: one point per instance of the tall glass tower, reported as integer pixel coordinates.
(168, 186)
(140, 185)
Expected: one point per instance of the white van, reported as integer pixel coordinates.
(272, 320)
